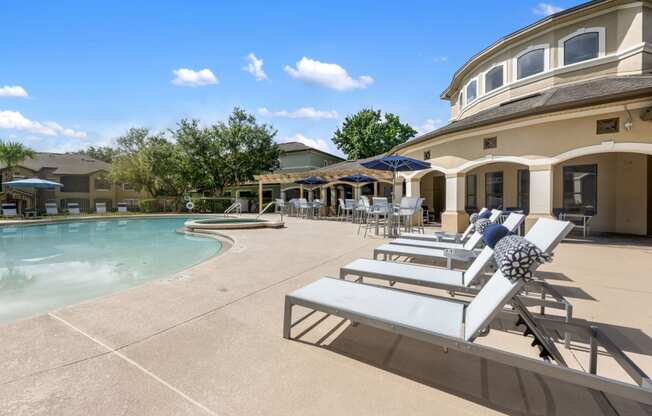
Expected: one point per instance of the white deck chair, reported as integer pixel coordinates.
(51, 208)
(73, 208)
(444, 236)
(546, 234)
(100, 208)
(453, 324)
(122, 207)
(9, 210)
(471, 242)
(449, 251)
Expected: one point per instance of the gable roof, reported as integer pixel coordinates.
(290, 147)
(592, 92)
(65, 164)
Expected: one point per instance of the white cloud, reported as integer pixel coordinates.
(430, 125)
(16, 121)
(546, 9)
(13, 91)
(185, 77)
(440, 59)
(303, 112)
(255, 67)
(328, 75)
(320, 144)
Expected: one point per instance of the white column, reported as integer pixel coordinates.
(413, 188)
(455, 218)
(541, 194)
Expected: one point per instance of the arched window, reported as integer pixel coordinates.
(471, 91)
(494, 78)
(530, 63)
(581, 48)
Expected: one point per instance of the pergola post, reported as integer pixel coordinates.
(300, 191)
(376, 189)
(260, 197)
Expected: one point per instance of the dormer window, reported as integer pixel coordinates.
(581, 45)
(494, 78)
(531, 62)
(471, 91)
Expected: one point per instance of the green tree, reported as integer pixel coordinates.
(11, 154)
(369, 133)
(133, 162)
(103, 153)
(227, 153)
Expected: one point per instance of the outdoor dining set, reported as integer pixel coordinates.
(368, 212)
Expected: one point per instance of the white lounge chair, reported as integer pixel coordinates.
(546, 234)
(122, 207)
(444, 236)
(73, 208)
(470, 243)
(51, 208)
(453, 324)
(448, 251)
(9, 210)
(100, 208)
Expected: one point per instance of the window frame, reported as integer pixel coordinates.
(563, 186)
(484, 78)
(467, 193)
(521, 202)
(477, 90)
(546, 60)
(101, 178)
(600, 30)
(486, 189)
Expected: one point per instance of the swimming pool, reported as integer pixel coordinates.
(45, 267)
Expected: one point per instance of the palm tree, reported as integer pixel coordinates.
(11, 154)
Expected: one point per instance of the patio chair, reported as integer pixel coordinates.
(349, 209)
(362, 211)
(449, 251)
(341, 209)
(404, 213)
(73, 208)
(378, 215)
(444, 236)
(316, 207)
(100, 208)
(294, 207)
(51, 208)
(123, 207)
(546, 234)
(279, 206)
(9, 209)
(454, 324)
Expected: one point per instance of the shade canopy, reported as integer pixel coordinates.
(33, 183)
(311, 180)
(357, 178)
(396, 164)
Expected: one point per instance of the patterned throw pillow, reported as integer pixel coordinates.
(515, 256)
(486, 215)
(481, 224)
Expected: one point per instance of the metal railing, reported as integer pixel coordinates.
(235, 207)
(268, 206)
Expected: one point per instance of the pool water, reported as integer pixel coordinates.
(45, 267)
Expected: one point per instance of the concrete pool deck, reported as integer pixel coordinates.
(209, 341)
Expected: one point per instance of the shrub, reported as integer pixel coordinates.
(211, 205)
(149, 205)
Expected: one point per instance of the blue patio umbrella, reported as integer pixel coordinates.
(357, 178)
(33, 183)
(311, 181)
(395, 163)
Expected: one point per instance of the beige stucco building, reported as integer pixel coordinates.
(85, 181)
(554, 117)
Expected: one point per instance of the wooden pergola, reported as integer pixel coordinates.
(330, 173)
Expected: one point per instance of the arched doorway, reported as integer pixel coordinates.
(614, 189)
(500, 185)
(432, 187)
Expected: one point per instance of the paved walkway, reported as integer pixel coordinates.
(208, 342)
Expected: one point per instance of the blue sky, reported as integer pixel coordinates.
(80, 73)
